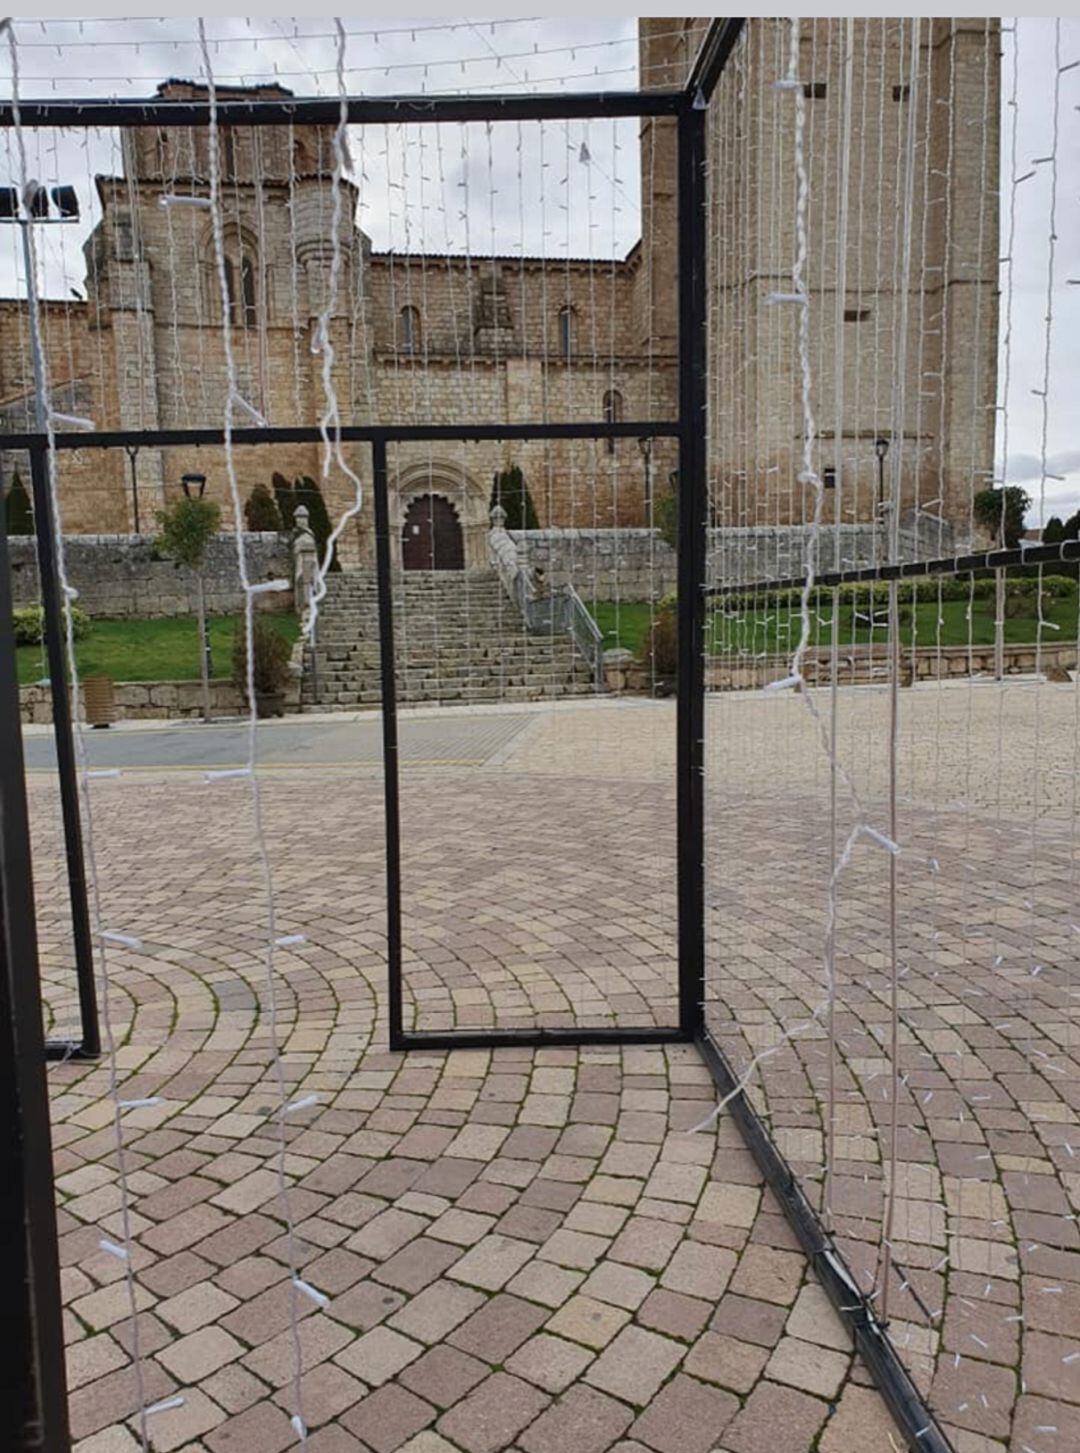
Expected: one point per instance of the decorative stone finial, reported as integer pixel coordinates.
(498, 518)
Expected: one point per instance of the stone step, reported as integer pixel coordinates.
(457, 637)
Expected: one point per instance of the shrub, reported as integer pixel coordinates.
(271, 653)
(29, 624)
(512, 493)
(660, 649)
(283, 498)
(18, 515)
(260, 512)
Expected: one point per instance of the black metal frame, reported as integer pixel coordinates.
(33, 1389)
(88, 1046)
(687, 108)
(1060, 552)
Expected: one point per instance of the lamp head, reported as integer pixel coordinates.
(193, 481)
(881, 447)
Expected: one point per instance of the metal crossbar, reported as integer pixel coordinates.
(1059, 553)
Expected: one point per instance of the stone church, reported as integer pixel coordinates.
(426, 336)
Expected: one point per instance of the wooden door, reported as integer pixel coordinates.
(431, 538)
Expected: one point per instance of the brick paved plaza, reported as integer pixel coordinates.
(526, 1250)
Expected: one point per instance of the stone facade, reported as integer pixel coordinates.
(122, 575)
(422, 336)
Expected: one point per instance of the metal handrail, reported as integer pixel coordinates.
(558, 612)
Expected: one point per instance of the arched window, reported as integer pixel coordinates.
(613, 413)
(409, 330)
(566, 331)
(248, 294)
(243, 299)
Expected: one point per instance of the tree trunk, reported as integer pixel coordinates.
(204, 672)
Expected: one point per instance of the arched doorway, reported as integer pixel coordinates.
(431, 535)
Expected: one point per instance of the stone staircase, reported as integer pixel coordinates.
(457, 638)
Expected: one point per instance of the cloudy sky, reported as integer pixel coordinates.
(576, 192)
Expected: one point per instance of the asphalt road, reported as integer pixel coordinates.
(444, 740)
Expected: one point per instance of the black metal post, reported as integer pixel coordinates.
(384, 586)
(132, 452)
(693, 508)
(33, 1390)
(89, 1047)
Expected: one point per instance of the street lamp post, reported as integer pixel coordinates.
(132, 451)
(645, 445)
(881, 449)
(194, 486)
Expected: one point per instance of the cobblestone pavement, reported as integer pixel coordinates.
(526, 1250)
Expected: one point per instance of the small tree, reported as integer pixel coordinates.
(185, 531)
(18, 515)
(666, 516)
(1053, 531)
(1071, 527)
(260, 512)
(307, 492)
(1001, 513)
(512, 493)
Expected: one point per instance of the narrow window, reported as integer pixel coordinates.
(856, 315)
(230, 288)
(566, 332)
(409, 337)
(901, 93)
(828, 478)
(613, 413)
(814, 90)
(248, 291)
(228, 153)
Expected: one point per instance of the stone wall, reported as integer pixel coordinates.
(601, 564)
(639, 565)
(857, 666)
(158, 700)
(120, 575)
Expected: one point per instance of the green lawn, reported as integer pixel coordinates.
(154, 650)
(777, 629)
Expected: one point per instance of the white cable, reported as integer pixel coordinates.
(252, 743)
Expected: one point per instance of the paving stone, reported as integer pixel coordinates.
(687, 1417)
(550, 1362)
(804, 1365)
(726, 1361)
(378, 1355)
(768, 1274)
(436, 1311)
(366, 1304)
(586, 1320)
(635, 1365)
(623, 1286)
(646, 1243)
(775, 1417)
(674, 1314)
(584, 1420)
(697, 1270)
(444, 1375)
(861, 1421)
(492, 1416)
(200, 1354)
(261, 1429)
(492, 1262)
(498, 1328)
(388, 1418)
